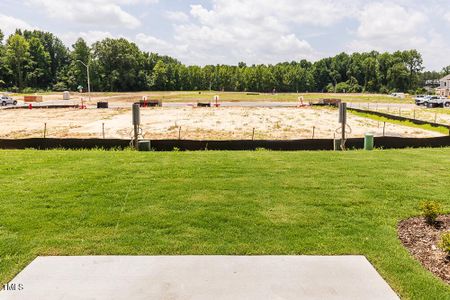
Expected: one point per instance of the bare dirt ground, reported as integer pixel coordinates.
(193, 123)
(190, 96)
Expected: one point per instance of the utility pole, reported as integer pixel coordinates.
(88, 78)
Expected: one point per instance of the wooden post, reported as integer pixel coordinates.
(253, 134)
(45, 130)
(179, 133)
(103, 130)
(384, 129)
(314, 132)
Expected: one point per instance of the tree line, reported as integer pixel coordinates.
(37, 60)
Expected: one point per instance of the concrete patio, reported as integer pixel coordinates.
(200, 277)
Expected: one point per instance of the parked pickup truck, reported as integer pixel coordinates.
(426, 100)
(5, 100)
(420, 99)
(437, 101)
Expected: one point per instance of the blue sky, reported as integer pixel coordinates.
(255, 31)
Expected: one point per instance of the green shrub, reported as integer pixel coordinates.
(60, 87)
(329, 88)
(343, 87)
(431, 210)
(384, 90)
(445, 242)
(28, 90)
(420, 91)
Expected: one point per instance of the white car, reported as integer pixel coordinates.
(437, 101)
(420, 99)
(427, 100)
(5, 100)
(398, 95)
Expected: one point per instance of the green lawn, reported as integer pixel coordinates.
(246, 203)
(440, 129)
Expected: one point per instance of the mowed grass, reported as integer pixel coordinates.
(221, 203)
(441, 129)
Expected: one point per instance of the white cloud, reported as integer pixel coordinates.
(9, 24)
(253, 31)
(152, 44)
(447, 16)
(319, 12)
(89, 36)
(271, 31)
(387, 26)
(177, 16)
(92, 12)
(128, 2)
(435, 50)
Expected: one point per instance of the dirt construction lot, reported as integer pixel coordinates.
(203, 96)
(193, 123)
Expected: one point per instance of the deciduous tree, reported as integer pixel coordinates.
(18, 57)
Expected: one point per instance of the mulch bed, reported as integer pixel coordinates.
(422, 241)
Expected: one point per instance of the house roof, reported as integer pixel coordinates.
(446, 78)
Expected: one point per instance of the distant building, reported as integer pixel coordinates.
(444, 87)
(434, 83)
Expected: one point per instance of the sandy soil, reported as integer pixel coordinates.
(192, 123)
(123, 98)
(191, 96)
(22, 123)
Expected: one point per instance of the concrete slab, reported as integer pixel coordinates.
(200, 277)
